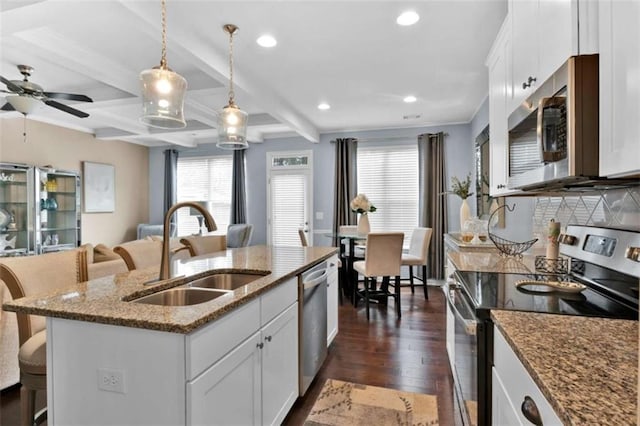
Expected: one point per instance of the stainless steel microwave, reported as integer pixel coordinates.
(553, 135)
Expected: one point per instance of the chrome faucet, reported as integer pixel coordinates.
(208, 221)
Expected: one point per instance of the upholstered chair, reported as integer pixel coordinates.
(382, 258)
(417, 256)
(239, 235)
(140, 254)
(29, 276)
(202, 244)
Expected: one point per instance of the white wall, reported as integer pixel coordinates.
(66, 149)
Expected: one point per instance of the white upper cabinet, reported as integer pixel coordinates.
(619, 88)
(544, 36)
(499, 67)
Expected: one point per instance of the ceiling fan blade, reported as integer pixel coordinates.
(65, 108)
(7, 107)
(68, 96)
(11, 86)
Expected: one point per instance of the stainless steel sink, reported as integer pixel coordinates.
(224, 281)
(181, 296)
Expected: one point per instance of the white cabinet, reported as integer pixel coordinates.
(499, 67)
(279, 366)
(544, 35)
(513, 390)
(230, 391)
(256, 383)
(332, 299)
(619, 88)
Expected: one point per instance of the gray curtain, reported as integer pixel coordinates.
(345, 183)
(171, 184)
(432, 208)
(238, 189)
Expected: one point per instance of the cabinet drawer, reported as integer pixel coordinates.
(517, 383)
(207, 345)
(277, 300)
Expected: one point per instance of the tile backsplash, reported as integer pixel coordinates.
(617, 208)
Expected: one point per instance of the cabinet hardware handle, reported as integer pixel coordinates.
(530, 411)
(260, 345)
(268, 338)
(528, 83)
(501, 186)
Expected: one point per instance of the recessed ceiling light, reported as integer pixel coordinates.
(324, 106)
(409, 99)
(408, 18)
(266, 41)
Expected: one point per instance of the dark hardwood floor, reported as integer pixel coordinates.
(408, 355)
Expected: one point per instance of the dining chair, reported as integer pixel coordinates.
(140, 254)
(202, 244)
(239, 235)
(417, 256)
(382, 258)
(28, 276)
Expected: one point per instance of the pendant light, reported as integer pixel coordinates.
(232, 121)
(163, 90)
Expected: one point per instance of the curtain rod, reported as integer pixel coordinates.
(388, 138)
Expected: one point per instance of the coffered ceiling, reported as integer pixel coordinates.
(349, 54)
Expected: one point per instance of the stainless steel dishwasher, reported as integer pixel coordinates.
(312, 297)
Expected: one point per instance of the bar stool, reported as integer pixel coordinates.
(417, 256)
(382, 258)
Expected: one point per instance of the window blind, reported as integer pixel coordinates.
(388, 176)
(204, 179)
(287, 195)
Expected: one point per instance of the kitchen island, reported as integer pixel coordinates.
(114, 361)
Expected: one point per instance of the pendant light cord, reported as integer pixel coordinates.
(163, 60)
(231, 92)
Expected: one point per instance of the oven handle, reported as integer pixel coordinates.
(470, 325)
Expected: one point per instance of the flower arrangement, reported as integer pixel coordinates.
(461, 189)
(361, 204)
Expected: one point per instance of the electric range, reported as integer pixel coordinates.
(598, 275)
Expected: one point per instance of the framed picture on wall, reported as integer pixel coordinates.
(99, 187)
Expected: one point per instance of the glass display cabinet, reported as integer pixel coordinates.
(58, 217)
(39, 210)
(16, 210)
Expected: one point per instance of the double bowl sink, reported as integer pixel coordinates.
(200, 290)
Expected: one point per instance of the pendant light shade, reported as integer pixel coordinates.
(232, 121)
(163, 91)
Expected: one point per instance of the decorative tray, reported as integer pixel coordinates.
(561, 286)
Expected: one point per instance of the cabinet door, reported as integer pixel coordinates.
(332, 299)
(556, 35)
(280, 366)
(619, 88)
(524, 20)
(228, 393)
(502, 410)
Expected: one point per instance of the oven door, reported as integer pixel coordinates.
(465, 374)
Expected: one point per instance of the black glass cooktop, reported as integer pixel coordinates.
(490, 290)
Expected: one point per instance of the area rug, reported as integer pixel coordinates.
(344, 403)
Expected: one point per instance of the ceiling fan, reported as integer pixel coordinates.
(24, 96)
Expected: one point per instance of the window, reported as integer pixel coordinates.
(389, 178)
(204, 179)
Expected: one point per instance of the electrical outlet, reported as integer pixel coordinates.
(319, 215)
(111, 380)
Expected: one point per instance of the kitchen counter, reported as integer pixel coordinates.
(107, 300)
(586, 367)
(454, 240)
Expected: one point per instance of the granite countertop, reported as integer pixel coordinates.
(586, 367)
(105, 300)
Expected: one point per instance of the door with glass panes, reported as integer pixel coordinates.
(289, 197)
